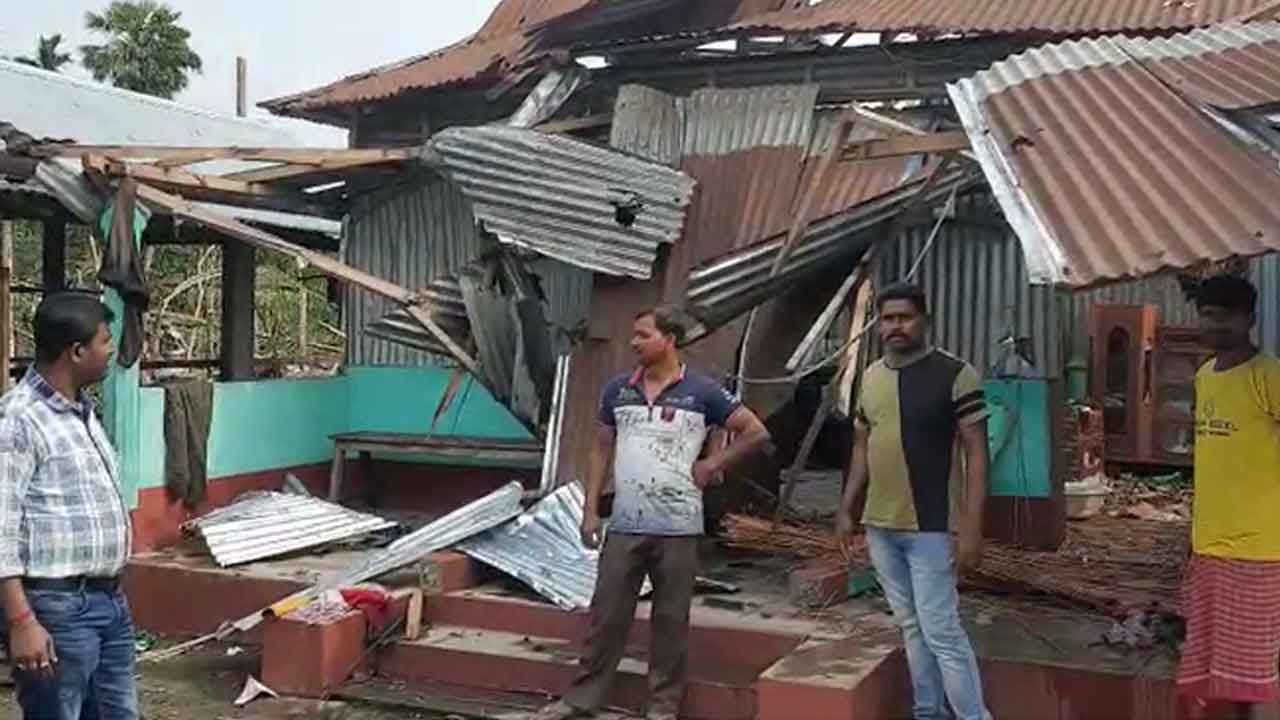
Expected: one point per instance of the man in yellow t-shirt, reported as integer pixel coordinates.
(1231, 599)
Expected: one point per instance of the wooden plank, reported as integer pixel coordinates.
(899, 145)
(176, 153)
(824, 321)
(239, 269)
(172, 204)
(894, 125)
(178, 178)
(293, 171)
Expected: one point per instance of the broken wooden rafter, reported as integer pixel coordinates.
(213, 188)
(899, 145)
(174, 154)
(171, 204)
(894, 125)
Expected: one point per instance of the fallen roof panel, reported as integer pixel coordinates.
(1106, 170)
(1001, 16)
(589, 206)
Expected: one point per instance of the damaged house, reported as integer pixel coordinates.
(1055, 175)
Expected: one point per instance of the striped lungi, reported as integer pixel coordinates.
(1232, 610)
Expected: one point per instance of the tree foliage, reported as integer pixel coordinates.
(48, 56)
(146, 50)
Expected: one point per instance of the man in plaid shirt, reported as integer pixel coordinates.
(64, 526)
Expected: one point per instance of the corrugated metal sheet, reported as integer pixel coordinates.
(999, 16)
(53, 106)
(731, 285)
(444, 302)
(543, 549)
(976, 281)
(561, 197)
(1106, 173)
(414, 237)
(1228, 66)
(270, 524)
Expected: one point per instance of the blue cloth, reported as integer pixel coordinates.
(655, 448)
(917, 572)
(94, 641)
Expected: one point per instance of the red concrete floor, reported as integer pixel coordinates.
(753, 656)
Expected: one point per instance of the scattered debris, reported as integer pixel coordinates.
(1142, 630)
(261, 525)
(1086, 498)
(253, 689)
(234, 651)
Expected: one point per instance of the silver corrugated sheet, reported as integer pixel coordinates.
(560, 197)
(471, 519)
(421, 237)
(724, 121)
(976, 281)
(414, 237)
(543, 549)
(268, 524)
(444, 301)
(476, 517)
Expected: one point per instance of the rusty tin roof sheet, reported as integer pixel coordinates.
(1107, 168)
(589, 206)
(1059, 17)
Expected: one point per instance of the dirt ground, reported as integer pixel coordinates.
(203, 685)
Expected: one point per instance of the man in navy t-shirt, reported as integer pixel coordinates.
(653, 425)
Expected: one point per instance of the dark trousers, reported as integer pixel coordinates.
(92, 633)
(671, 564)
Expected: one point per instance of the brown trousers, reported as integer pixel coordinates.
(671, 564)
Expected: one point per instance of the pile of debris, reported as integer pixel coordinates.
(1108, 566)
(1165, 498)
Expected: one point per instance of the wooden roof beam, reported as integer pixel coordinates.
(175, 154)
(899, 145)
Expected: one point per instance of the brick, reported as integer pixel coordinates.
(307, 660)
(818, 585)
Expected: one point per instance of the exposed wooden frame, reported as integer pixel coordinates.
(1262, 13)
(173, 155)
(205, 187)
(171, 204)
(899, 145)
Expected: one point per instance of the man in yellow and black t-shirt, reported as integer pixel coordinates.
(914, 404)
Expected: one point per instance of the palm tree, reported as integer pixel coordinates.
(146, 49)
(47, 55)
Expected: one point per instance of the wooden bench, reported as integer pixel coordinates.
(466, 450)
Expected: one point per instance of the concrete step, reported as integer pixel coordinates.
(716, 636)
(521, 663)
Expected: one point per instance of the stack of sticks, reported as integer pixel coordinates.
(1107, 566)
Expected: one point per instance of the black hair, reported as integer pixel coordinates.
(667, 319)
(64, 319)
(904, 291)
(1227, 291)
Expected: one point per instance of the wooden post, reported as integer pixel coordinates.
(53, 269)
(6, 301)
(239, 268)
(242, 92)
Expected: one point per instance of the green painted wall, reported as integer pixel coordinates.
(271, 424)
(403, 400)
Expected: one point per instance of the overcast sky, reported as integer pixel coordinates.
(291, 45)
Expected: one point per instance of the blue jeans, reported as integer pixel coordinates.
(917, 573)
(92, 635)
